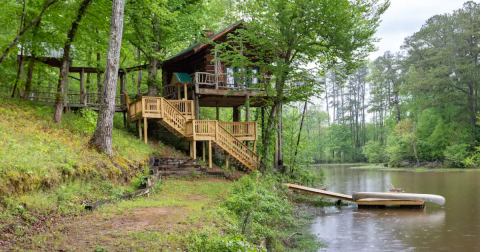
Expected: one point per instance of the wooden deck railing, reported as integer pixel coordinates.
(211, 130)
(211, 80)
(74, 97)
(184, 106)
(236, 148)
(158, 107)
(241, 129)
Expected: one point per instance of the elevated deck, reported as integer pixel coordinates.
(46, 95)
(177, 116)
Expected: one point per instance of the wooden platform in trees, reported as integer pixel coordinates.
(177, 116)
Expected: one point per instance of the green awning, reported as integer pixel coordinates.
(180, 78)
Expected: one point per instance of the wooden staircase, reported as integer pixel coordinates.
(177, 117)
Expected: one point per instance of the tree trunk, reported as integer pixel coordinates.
(28, 85)
(472, 112)
(139, 83)
(326, 99)
(299, 133)
(152, 81)
(65, 63)
(102, 137)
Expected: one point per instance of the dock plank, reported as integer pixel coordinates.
(320, 192)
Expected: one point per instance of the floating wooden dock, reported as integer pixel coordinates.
(368, 203)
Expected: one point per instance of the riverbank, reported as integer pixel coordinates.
(48, 174)
(413, 169)
(186, 214)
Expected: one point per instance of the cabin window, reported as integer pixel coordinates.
(254, 79)
(238, 82)
(230, 79)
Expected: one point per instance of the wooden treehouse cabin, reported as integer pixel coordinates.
(190, 81)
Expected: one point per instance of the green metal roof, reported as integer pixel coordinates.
(180, 77)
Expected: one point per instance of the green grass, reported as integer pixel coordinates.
(49, 166)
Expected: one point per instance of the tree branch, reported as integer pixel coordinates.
(45, 7)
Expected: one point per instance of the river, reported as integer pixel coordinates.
(452, 227)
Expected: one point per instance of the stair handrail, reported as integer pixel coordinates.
(182, 118)
(240, 145)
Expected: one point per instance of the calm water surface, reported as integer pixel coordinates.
(452, 227)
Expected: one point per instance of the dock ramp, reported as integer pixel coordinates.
(320, 192)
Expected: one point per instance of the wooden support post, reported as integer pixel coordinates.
(247, 108)
(83, 93)
(191, 149)
(203, 151)
(218, 111)
(210, 153)
(185, 91)
(194, 149)
(139, 124)
(236, 114)
(121, 89)
(145, 129)
(179, 93)
(226, 161)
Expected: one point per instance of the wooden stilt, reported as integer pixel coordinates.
(218, 112)
(179, 93)
(194, 149)
(145, 129)
(203, 151)
(139, 124)
(226, 161)
(210, 153)
(191, 149)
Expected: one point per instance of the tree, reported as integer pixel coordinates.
(25, 29)
(66, 61)
(102, 137)
(284, 36)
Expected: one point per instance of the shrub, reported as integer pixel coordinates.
(373, 151)
(262, 207)
(229, 243)
(456, 154)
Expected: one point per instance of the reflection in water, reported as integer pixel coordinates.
(453, 227)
